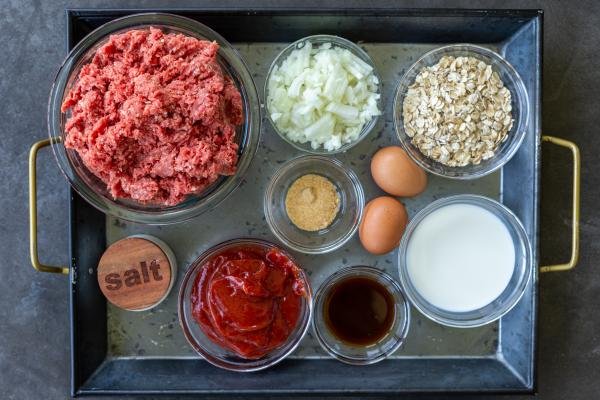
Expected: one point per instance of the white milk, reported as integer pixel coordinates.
(460, 257)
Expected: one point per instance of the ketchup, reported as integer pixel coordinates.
(248, 299)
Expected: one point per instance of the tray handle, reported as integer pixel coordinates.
(575, 218)
(33, 251)
(35, 262)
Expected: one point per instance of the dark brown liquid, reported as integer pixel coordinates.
(359, 311)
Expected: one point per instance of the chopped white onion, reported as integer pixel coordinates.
(323, 96)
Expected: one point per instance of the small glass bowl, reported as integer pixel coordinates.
(356, 354)
(212, 352)
(520, 111)
(317, 40)
(345, 224)
(89, 186)
(514, 289)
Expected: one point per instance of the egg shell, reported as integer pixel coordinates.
(396, 173)
(383, 223)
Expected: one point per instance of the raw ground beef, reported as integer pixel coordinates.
(153, 116)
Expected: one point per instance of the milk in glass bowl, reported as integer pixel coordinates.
(465, 261)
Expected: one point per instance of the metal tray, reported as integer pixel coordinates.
(118, 352)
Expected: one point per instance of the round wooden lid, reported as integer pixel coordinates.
(135, 273)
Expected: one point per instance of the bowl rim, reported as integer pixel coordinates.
(216, 192)
(405, 140)
(341, 42)
(295, 337)
(515, 225)
(332, 162)
(376, 274)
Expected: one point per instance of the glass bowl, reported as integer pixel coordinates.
(89, 186)
(354, 354)
(509, 297)
(336, 41)
(520, 112)
(345, 224)
(212, 352)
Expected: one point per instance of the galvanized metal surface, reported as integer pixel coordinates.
(156, 333)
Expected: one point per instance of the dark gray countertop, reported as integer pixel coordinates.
(34, 338)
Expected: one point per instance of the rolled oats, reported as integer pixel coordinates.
(458, 111)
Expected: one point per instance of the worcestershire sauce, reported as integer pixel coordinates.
(359, 311)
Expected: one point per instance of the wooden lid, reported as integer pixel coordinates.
(135, 273)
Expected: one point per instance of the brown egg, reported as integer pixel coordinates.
(396, 173)
(383, 223)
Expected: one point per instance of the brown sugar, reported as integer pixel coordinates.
(312, 202)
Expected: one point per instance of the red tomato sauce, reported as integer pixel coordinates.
(248, 299)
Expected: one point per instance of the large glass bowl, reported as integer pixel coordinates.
(520, 111)
(89, 186)
(317, 40)
(509, 297)
(212, 352)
